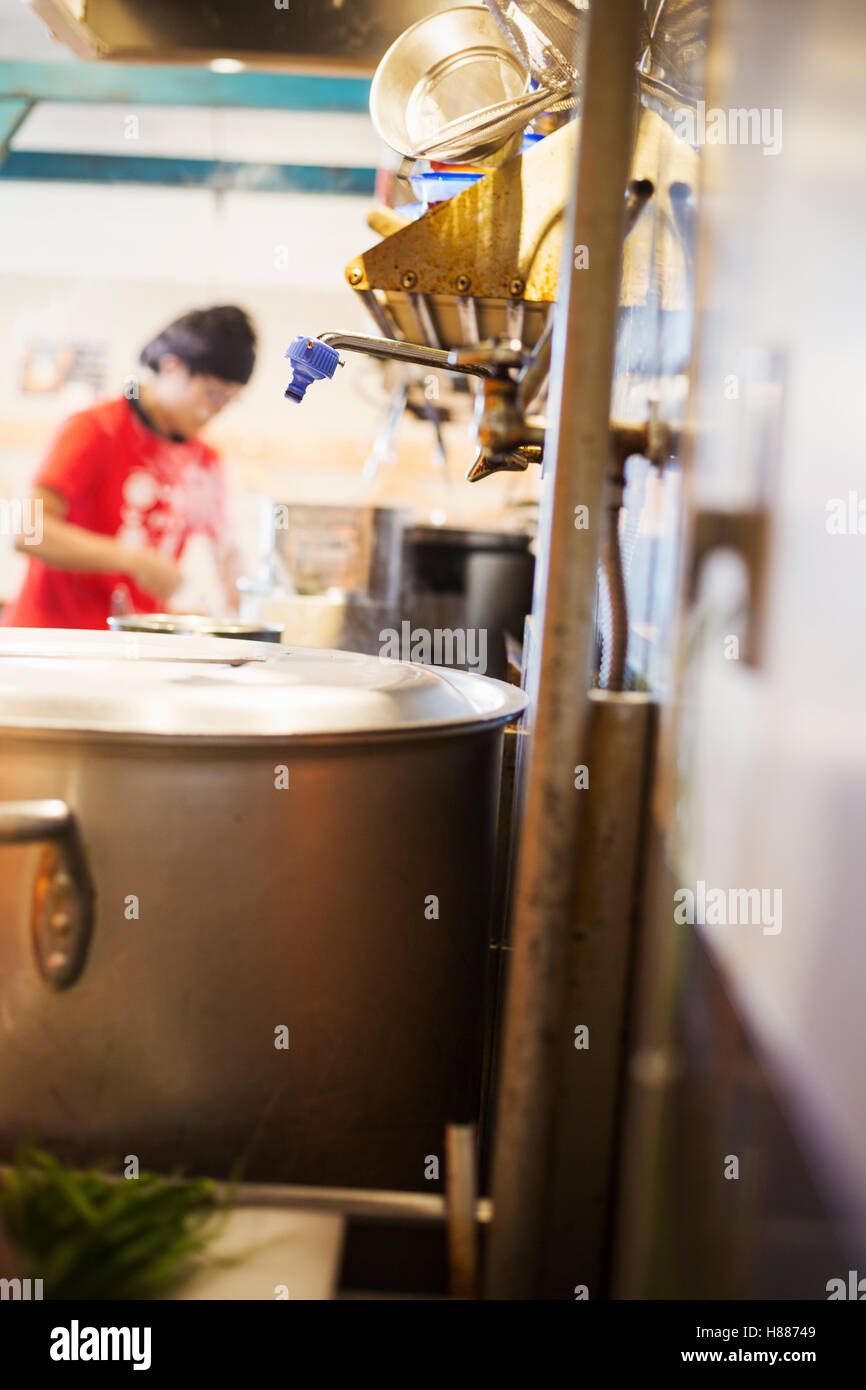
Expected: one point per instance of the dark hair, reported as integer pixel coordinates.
(217, 342)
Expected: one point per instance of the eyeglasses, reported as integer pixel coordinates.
(218, 393)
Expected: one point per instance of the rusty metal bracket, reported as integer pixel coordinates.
(747, 534)
(501, 238)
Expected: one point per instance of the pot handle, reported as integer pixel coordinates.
(61, 920)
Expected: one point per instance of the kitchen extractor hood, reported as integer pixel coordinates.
(347, 36)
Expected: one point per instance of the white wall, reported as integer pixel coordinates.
(115, 263)
(773, 758)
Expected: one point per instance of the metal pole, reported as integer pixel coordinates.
(582, 366)
(374, 1204)
(461, 1201)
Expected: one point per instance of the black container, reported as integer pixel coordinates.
(476, 582)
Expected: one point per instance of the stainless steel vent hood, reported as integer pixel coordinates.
(347, 36)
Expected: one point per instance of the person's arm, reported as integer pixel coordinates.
(228, 560)
(227, 556)
(63, 545)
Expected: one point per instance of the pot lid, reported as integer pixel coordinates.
(459, 537)
(137, 684)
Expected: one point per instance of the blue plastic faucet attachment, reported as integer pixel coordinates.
(312, 360)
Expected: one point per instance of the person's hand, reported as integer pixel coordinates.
(154, 573)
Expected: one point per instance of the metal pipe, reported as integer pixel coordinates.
(653, 439)
(515, 314)
(467, 313)
(461, 1203)
(615, 640)
(422, 310)
(380, 313)
(582, 367)
(582, 1188)
(363, 1202)
(371, 1203)
(392, 350)
(384, 440)
(534, 374)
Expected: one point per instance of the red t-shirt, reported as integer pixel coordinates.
(120, 479)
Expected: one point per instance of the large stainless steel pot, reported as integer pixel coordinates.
(168, 904)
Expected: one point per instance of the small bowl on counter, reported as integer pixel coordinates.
(195, 625)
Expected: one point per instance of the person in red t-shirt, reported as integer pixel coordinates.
(126, 483)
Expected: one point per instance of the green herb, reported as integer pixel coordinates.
(87, 1237)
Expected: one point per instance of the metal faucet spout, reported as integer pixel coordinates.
(393, 349)
(316, 359)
